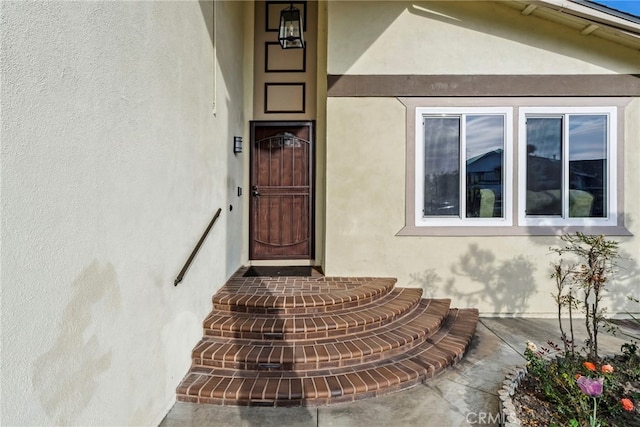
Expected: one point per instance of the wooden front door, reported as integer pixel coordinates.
(281, 205)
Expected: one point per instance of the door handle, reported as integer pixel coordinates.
(254, 191)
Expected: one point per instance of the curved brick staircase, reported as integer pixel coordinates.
(292, 341)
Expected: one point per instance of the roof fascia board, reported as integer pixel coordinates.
(609, 10)
(588, 21)
(585, 12)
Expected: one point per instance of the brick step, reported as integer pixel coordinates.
(328, 324)
(299, 295)
(343, 384)
(398, 336)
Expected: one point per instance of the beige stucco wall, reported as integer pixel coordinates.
(459, 37)
(498, 275)
(113, 163)
(366, 149)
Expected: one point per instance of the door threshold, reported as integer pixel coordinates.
(282, 271)
(279, 262)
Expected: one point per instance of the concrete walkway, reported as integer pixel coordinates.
(466, 394)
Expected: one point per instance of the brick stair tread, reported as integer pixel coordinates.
(319, 387)
(294, 295)
(400, 335)
(313, 326)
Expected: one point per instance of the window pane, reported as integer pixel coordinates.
(442, 166)
(544, 166)
(484, 163)
(587, 166)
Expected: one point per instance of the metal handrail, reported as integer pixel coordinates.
(195, 250)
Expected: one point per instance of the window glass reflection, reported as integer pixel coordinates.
(587, 165)
(544, 166)
(484, 165)
(442, 166)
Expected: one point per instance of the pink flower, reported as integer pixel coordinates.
(607, 369)
(627, 404)
(591, 387)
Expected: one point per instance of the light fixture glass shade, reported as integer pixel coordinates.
(291, 29)
(237, 144)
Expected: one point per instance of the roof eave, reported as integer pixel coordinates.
(584, 19)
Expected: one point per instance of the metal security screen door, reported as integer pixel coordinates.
(281, 220)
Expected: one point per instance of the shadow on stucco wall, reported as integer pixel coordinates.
(224, 23)
(622, 283)
(625, 282)
(503, 286)
(510, 24)
(429, 281)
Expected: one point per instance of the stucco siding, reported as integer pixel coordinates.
(476, 37)
(448, 50)
(113, 163)
(632, 177)
(506, 275)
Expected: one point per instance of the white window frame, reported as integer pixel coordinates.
(612, 169)
(507, 190)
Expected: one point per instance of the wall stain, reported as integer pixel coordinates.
(65, 376)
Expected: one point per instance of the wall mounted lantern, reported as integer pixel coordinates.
(237, 144)
(291, 29)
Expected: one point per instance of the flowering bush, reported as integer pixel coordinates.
(581, 285)
(584, 388)
(585, 393)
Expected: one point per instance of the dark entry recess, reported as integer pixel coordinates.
(286, 271)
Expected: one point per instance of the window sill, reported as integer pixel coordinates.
(411, 230)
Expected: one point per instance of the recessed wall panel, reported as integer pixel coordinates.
(284, 97)
(278, 60)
